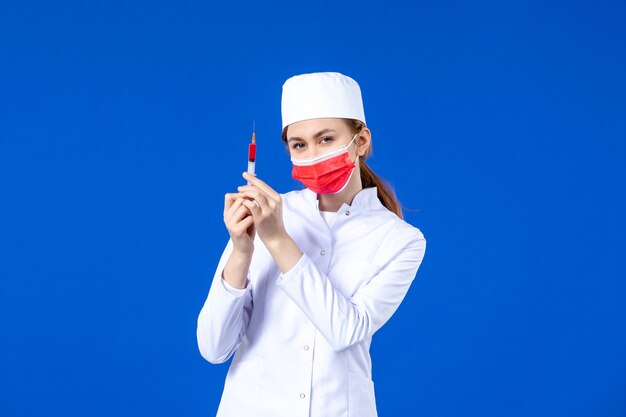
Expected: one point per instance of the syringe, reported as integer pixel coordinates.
(252, 152)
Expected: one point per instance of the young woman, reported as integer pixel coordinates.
(308, 277)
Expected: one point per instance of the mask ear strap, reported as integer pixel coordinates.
(353, 138)
(357, 155)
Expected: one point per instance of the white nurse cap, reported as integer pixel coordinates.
(320, 95)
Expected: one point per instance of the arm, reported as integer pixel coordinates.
(228, 307)
(224, 316)
(343, 322)
(347, 321)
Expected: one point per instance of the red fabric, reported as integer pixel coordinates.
(325, 177)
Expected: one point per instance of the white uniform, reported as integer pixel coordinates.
(301, 339)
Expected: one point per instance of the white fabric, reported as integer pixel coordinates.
(301, 339)
(233, 290)
(321, 95)
(328, 216)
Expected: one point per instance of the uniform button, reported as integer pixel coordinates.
(306, 347)
(322, 252)
(302, 395)
(347, 212)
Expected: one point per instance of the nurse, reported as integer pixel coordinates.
(307, 277)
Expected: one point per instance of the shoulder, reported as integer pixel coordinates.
(400, 231)
(407, 228)
(398, 228)
(399, 241)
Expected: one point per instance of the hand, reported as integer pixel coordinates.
(240, 224)
(266, 207)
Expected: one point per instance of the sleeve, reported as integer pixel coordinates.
(224, 316)
(347, 321)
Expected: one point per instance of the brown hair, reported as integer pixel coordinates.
(368, 178)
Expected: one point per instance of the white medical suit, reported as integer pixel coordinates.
(301, 339)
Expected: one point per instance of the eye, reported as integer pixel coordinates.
(327, 139)
(297, 145)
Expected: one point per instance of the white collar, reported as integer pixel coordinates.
(366, 199)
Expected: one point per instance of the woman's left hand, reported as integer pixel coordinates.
(266, 207)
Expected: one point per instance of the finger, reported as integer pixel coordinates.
(241, 212)
(260, 198)
(254, 208)
(233, 206)
(239, 195)
(237, 212)
(243, 226)
(228, 202)
(263, 186)
(255, 192)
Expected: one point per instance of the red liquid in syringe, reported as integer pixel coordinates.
(252, 155)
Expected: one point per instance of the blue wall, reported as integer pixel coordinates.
(502, 126)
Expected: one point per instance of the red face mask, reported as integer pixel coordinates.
(328, 173)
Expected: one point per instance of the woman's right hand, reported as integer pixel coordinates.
(240, 225)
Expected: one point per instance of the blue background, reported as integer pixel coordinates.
(501, 125)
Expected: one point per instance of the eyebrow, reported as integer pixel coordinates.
(317, 135)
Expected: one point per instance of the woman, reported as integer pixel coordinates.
(307, 277)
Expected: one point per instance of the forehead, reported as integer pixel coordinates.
(308, 128)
